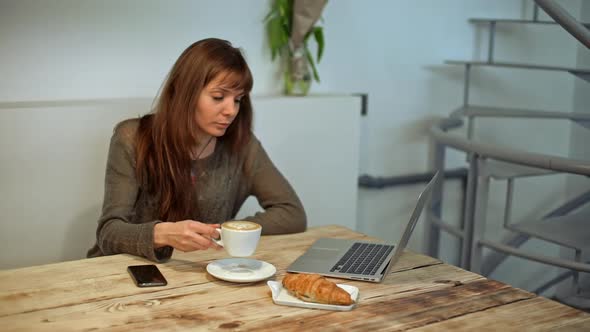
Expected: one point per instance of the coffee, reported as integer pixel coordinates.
(241, 225)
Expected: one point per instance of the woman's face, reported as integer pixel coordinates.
(217, 107)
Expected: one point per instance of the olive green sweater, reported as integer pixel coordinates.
(222, 184)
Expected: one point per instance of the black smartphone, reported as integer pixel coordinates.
(147, 275)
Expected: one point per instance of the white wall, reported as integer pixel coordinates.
(70, 49)
(394, 50)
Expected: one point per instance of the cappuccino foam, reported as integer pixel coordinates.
(241, 225)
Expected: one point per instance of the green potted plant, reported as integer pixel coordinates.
(289, 26)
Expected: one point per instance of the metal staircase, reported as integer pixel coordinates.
(567, 226)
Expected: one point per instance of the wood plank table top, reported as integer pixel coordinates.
(421, 293)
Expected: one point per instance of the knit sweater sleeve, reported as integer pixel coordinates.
(116, 233)
(283, 211)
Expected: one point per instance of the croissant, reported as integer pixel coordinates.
(315, 288)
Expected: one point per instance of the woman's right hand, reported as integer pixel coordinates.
(186, 235)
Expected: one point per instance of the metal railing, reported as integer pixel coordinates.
(568, 22)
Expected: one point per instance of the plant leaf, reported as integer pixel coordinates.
(318, 34)
(312, 64)
(275, 36)
(285, 10)
(268, 16)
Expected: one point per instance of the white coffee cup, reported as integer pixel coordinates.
(239, 237)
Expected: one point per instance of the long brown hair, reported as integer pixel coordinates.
(166, 137)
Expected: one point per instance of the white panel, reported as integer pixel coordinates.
(314, 141)
(52, 171)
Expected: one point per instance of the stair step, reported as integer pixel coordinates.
(572, 230)
(516, 21)
(577, 71)
(497, 112)
(500, 170)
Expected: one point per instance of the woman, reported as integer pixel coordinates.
(173, 176)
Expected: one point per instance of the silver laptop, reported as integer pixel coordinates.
(359, 260)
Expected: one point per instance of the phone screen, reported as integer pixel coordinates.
(147, 275)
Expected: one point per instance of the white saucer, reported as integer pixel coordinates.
(241, 269)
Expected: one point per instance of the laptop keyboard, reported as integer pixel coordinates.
(363, 258)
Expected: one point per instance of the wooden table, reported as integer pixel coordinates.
(421, 294)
